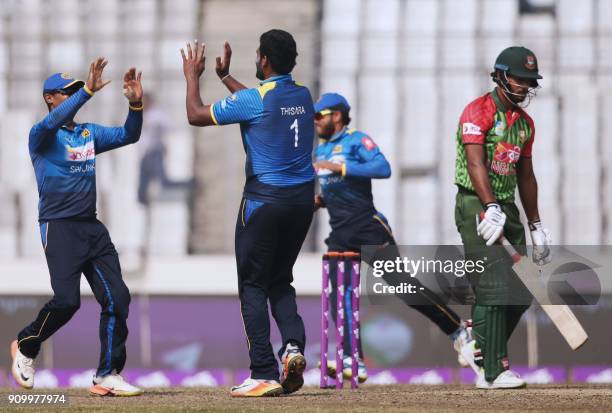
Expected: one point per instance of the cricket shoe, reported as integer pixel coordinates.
(113, 385)
(347, 371)
(257, 388)
(463, 337)
(22, 368)
(294, 365)
(506, 380)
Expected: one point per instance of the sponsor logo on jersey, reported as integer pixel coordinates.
(337, 149)
(81, 153)
(499, 128)
(339, 159)
(85, 133)
(471, 129)
(368, 143)
(504, 158)
(82, 168)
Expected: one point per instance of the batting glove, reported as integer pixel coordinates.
(492, 225)
(541, 240)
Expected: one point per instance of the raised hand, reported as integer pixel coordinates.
(94, 79)
(132, 87)
(222, 67)
(193, 61)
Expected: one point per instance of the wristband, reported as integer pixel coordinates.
(87, 90)
(225, 77)
(136, 108)
(533, 225)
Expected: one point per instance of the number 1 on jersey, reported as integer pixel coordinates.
(295, 126)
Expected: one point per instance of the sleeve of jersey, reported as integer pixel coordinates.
(371, 164)
(475, 122)
(527, 148)
(46, 128)
(243, 106)
(108, 138)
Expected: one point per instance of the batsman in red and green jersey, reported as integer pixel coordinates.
(494, 141)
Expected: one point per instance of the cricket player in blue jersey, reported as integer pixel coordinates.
(63, 154)
(346, 162)
(277, 127)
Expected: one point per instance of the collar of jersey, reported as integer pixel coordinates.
(76, 126)
(498, 103)
(338, 134)
(276, 79)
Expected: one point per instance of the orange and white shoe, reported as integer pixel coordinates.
(294, 364)
(257, 388)
(22, 368)
(113, 385)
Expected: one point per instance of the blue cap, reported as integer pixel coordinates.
(60, 81)
(332, 101)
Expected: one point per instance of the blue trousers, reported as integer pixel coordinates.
(74, 247)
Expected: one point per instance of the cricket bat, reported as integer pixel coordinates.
(561, 315)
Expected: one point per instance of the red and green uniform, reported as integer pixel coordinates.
(507, 135)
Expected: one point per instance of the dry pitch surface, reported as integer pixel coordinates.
(408, 398)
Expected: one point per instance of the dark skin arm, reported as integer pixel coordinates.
(222, 70)
(198, 114)
(528, 188)
(479, 175)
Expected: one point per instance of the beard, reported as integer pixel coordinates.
(259, 74)
(326, 131)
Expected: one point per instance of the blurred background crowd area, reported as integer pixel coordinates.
(408, 67)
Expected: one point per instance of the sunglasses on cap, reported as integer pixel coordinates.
(321, 114)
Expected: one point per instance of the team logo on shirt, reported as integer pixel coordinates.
(368, 143)
(85, 133)
(471, 129)
(227, 100)
(504, 158)
(81, 153)
(323, 172)
(337, 149)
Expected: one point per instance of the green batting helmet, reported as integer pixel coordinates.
(519, 62)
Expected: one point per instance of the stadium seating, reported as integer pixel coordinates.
(408, 68)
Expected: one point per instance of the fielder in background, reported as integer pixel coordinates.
(74, 241)
(277, 126)
(494, 141)
(346, 162)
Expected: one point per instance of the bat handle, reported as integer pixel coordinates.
(516, 257)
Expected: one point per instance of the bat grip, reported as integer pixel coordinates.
(516, 257)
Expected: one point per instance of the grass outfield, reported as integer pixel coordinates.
(373, 398)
